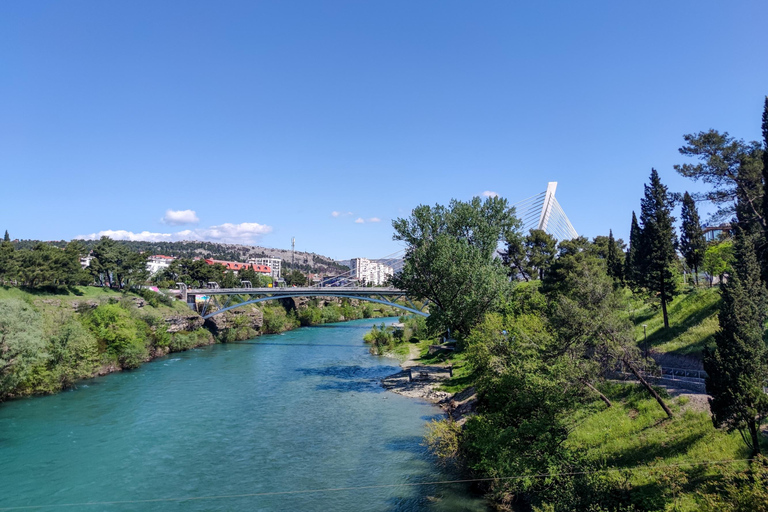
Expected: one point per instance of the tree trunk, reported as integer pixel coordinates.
(664, 304)
(649, 388)
(755, 438)
(602, 396)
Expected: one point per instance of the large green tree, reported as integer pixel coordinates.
(734, 170)
(692, 243)
(541, 248)
(450, 259)
(658, 239)
(737, 368)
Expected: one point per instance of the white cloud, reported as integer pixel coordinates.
(178, 217)
(340, 214)
(374, 219)
(359, 220)
(243, 233)
(490, 193)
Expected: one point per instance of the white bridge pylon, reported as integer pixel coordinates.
(543, 212)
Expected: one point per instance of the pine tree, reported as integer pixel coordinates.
(614, 264)
(738, 366)
(692, 243)
(765, 186)
(658, 241)
(632, 266)
(7, 237)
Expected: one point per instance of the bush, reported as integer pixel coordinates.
(381, 339)
(310, 316)
(22, 346)
(153, 298)
(186, 340)
(122, 336)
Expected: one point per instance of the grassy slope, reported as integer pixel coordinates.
(692, 323)
(635, 432)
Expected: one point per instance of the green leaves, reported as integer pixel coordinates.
(22, 345)
(450, 259)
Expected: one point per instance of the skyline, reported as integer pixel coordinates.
(255, 123)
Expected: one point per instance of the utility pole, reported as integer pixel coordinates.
(293, 251)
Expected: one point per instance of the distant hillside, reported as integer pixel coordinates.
(304, 261)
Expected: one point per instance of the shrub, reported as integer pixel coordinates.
(21, 343)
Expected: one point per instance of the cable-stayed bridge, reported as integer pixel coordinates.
(541, 211)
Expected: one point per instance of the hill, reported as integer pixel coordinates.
(304, 261)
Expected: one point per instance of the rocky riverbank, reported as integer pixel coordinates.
(423, 381)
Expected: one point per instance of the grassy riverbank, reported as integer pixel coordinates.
(58, 335)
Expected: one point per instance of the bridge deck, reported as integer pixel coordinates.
(327, 291)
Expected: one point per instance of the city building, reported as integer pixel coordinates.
(274, 263)
(370, 272)
(235, 266)
(158, 262)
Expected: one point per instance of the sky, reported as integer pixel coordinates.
(255, 122)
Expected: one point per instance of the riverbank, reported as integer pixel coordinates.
(56, 337)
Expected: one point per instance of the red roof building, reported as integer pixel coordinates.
(235, 266)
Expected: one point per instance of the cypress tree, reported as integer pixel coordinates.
(738, 366)
(7, 237)
(613, 261)
(692, 243)
(631, 270)
(765, 187)
(658, 241)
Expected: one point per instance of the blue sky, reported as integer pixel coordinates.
(264, 118)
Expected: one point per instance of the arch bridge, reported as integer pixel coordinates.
(218, 300)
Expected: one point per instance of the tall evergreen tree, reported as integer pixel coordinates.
(692, 243)
(658, 241)
(613, 261)
(632, 266)
(765, 182)
(7, 237)
(738, 366)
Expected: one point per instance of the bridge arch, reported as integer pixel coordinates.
(369, 299)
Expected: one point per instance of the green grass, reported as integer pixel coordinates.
(692, 323)
(636, 432)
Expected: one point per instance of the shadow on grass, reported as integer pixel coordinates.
(47, 290)
(696, 317)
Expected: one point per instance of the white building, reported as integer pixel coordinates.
(273, 263)
(370, 272)
(158, 262)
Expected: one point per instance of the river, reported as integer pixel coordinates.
(290, 422)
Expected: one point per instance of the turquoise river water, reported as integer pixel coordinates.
(291, 422)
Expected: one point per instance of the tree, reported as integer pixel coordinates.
(450, 259)
(613, 262)
(7, 237)
(717, 260)
(737, 368)
(22, 344)
(634, 256)
(295, 277)
(540, 248)
(658, 240)
(8, 264)
(515, 258)
(587, 317)
(692, 243)
(733, 168)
